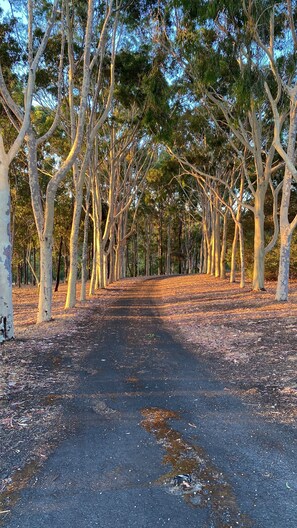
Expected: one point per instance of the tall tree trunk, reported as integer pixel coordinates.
(73, 249)
(212, 243)
(287, 228)
(84, 259)
(238, 233)
(45, 289)
(223, 248)
(94, 255)
(259, 247)
(180, 232)
(59, 265)
(286, 231)
(209, 255)
(217, 240)
(241, 252)
(148, 249)
(19, 275)
(284, 263)
(135, 254)
(6, 311)
(160, 245)
(34, 266)
(201, 254)
(25, 266)
(117, 263)
(233, 254)
(111, 261)
(205, 254)
(94, 259)
(104, 268)
(168, 256)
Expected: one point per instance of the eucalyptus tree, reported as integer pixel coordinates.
(87, 54)
(202, 148)
(167, 221)
(220, 59)
(123, 162)
(18, 112)
(274, 31)
(135, 169)
(100, 102)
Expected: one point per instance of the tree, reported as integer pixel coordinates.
(44, 217)
(222, 68)
(282, 94)
(19, 115)
(98, 112)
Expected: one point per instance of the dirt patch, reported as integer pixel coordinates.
(248, 339)
(191, 474)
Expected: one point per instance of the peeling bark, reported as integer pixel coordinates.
(282, 290)
(46, 284)
(6, 309)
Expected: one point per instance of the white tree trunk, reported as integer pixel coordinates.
(93, 274)
(84, 273)
(45, 289)
(73, 246)
(201, 254)
(104, 269)
(284, 264)
(241, 251)
(6, 310)
(287, 228)
(223, 249)
(217, 241)
(259, 248)
(233, 254)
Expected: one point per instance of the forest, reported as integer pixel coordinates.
(146, 138)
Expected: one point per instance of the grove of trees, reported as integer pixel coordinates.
(142, 138)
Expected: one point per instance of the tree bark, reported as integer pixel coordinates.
(223, 248)
(282, 290)
(84, 258)
(59, 265)
(168, 255)
(6, 310)
(217, 239)
(148, 248)
(23, 119)
(45, 290)
(287, 228)
(259, 245)
(233, 254)
(45, 221)
(241, 252)
(73, 248)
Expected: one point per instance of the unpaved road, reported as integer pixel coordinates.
(145, 410)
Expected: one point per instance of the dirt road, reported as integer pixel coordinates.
(146, 409)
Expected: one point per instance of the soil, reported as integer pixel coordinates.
(246, 338)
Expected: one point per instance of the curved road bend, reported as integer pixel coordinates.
(146, 410)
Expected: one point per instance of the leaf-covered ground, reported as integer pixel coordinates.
(247, 339)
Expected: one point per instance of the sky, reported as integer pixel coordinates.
(4, 4)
